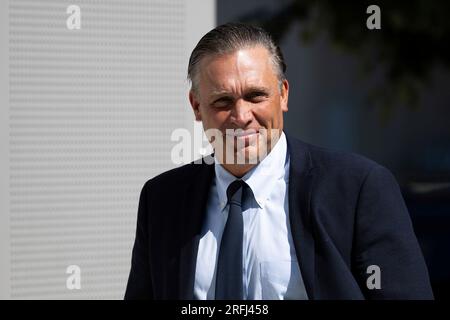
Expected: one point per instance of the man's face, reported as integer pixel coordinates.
(241, 90)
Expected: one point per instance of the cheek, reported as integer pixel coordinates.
(215, 118)
(268, 113)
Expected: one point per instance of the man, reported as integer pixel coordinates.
(287, 221)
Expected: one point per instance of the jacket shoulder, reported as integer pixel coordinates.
(340, 159)
(176, 178)
(334, 163)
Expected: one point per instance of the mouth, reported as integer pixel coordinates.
(242, 138)
(242, 134)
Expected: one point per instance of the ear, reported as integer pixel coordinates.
(284, 95)
(195, 104)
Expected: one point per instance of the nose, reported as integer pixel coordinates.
(241, 115)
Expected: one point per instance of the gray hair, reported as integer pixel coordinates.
(229, 38)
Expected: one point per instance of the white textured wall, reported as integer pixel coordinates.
(86, 120)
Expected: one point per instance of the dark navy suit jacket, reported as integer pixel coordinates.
(346, 213)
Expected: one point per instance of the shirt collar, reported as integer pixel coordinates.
(260, 179)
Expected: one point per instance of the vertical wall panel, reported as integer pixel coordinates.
(90, 117)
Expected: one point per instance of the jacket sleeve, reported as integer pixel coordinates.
(140, 281)
(384, 238)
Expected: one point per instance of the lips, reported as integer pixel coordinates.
(240, 133)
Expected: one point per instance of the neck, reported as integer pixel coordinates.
(238, 170)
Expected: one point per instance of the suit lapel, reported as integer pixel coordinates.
(301, 178)
(194, 207)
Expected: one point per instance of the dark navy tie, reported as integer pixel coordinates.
(229, 279)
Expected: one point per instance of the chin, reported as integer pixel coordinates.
(247, 155)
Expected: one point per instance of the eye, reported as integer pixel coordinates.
(256, 96)
(222, 102)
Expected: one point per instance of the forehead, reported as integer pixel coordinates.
(232, 72)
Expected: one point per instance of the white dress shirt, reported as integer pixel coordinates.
(270, 267)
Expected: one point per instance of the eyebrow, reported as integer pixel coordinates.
(219, 93)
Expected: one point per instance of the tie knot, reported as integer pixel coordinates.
(234, 191)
